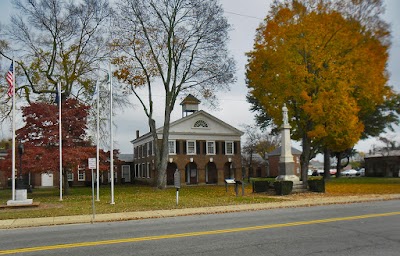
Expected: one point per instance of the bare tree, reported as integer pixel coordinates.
(57, 41)
(171, 46)
(260, 143)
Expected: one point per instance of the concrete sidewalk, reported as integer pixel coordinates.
(290, 201)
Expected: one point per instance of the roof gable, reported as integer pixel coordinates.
(201, 123)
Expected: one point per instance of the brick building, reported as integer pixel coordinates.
(273, 160)
(205, 149)
(383, 164)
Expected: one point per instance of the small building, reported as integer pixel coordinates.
(384, 163)
(273, 160)
(205, 149)
(256, 166)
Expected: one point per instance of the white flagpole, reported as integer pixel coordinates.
(60, 136)
(13, 134)
(111, 137)
(98, 140)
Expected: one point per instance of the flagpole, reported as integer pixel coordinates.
(60, 136)
(111, 137)
(98, 140)
(13, 134)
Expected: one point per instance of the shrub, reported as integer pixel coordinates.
(283, 187)
(260, 186)
(317, 185)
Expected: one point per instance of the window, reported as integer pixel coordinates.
(81, 174)
(210, 147)
(144, 170)
(150, 148)
(172, 147)
(229, 148)
(191, 147)
(126, 173)
(200, 124)
(70, 176)
(148, 170)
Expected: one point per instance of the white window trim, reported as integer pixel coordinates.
(148, 170)
(174, 147)
(194, 147)
(213, 142)
(226, 148)
(70, 176)
(81, 172)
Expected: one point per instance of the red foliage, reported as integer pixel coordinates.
(40, 136)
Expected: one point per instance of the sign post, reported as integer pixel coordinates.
(92, 165)
(177, 184)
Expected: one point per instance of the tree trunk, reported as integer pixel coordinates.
(338, 165)
(162, 159)
(305, 158)
(65, 182)
(327, 164)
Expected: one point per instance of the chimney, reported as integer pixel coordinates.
(137, 134)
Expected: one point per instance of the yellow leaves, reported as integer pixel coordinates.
(327, 66)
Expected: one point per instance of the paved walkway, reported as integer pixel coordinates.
(295, 200)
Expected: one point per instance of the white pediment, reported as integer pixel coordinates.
(201, 125)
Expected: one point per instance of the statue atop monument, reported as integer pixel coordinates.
(285, 114)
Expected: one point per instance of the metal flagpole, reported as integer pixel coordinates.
(13, 133)
(60, 136)
(98, 141)
(111, 137)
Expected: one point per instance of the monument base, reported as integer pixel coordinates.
(293, 178)
(21, 196)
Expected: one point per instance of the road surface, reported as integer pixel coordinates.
(352, 229)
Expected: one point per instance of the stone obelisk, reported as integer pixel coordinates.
(286, 163)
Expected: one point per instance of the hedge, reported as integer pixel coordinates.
(283, 187)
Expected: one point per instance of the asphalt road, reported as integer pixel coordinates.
(352, 229)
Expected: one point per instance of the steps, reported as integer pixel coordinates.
(298, 187)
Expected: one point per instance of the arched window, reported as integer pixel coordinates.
(200, 124)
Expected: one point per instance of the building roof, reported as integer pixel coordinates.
(383, 153)
(190, 99)
(277, 152)
(184, 126)
(125, 157)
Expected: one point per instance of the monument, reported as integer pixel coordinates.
(21, 193)
(286, 163)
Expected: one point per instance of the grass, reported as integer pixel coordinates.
(130, 198)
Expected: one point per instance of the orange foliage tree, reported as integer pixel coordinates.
(327, 63)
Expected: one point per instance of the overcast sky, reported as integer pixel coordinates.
(244, 16)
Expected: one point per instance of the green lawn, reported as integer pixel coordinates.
(127, 198)
(130, 198)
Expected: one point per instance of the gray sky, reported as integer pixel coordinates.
(244, 16)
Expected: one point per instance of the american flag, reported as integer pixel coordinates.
(10, 80)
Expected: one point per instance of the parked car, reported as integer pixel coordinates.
(361, 172)
(349, 173)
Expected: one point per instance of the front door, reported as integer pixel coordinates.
(191, 173)
(171, 168)
(212, 174)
